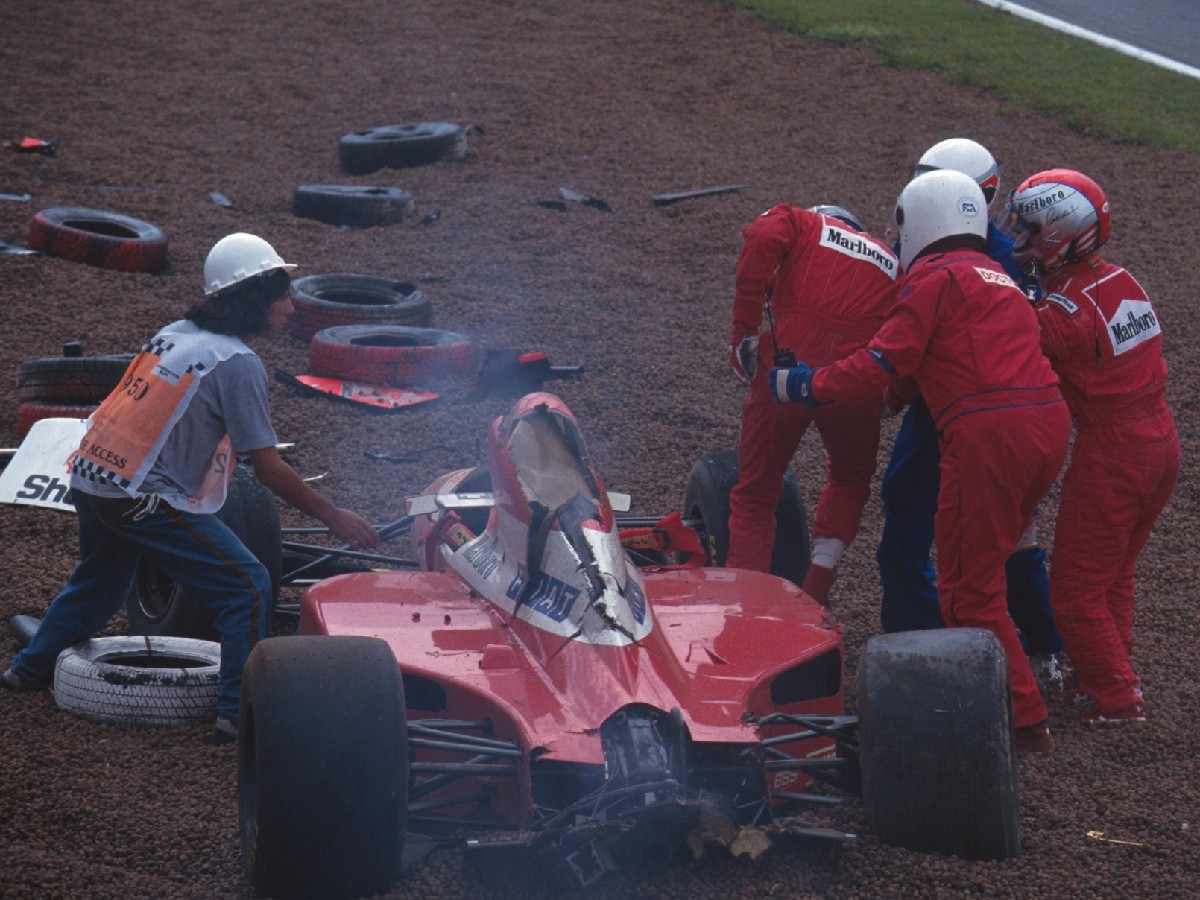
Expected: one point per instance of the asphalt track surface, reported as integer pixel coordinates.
(1170, 28)
(156, 105)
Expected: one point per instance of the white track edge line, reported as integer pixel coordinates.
(1155, 59)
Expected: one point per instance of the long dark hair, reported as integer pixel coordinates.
(242, 309)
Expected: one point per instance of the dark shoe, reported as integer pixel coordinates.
(1033, 739)
(225, 731)
(15, 681)
(1134, 712)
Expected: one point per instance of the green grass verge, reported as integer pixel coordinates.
(1094, 90)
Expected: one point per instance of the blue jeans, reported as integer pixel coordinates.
(197, 551)
(910, 598)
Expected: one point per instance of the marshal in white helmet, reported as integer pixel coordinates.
(937, 205)
(966, 156)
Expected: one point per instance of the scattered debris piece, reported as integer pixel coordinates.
(1099, 836)
(34, 145)
(430, 217)
(375, 396)
(510, 373)
(17, 198)
(17, 250)
(220, 199)
(675, 196)
(553, 204)
(415, 456)
(576, 197)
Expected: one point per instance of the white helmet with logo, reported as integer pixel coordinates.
(235, 258)
(966, 156)
(939, 204)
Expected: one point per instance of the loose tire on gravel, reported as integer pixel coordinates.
(28, 413)
(157, 605)
(322, 767)
(324, 301)
(707, 498)
(935, 741)
(116, 679)
(99, 238)
(395, 355)
(398, 146)
(352, 206)
(71, 379)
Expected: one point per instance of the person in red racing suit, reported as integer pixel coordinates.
(1104, 339)
(961, 329)
(830, 286)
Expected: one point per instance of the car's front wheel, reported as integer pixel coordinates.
(322, 767)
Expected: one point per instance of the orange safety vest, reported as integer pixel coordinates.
(126, 433)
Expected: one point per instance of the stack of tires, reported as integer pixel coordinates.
(68, 386)
(373, 330)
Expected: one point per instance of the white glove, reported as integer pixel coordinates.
(743, 358)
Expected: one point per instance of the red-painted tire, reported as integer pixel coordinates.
(396, 355)
(325, 301)
(28, 413)
(105, 239)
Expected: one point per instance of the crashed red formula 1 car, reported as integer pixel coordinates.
(531, 691)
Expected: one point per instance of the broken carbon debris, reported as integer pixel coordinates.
(666, 199)
(575, 196)
(17, 250)
(558, 205)
(17, 198)
(220, 199)
(34, 145)
(430, 217)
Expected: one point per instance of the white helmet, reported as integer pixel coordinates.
(936, 205)
(966, 156)
(237, 257)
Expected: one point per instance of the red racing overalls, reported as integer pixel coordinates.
(968, 336)
(1104, 339)
(831, 287)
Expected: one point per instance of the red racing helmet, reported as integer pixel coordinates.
(1056, 217)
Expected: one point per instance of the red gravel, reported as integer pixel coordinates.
(155, 105)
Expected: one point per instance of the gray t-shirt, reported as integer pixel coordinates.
(231, 399)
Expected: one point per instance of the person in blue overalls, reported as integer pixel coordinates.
(910, 484)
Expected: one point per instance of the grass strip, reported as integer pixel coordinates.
(1092, 89)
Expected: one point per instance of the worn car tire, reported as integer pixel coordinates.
(707, 498)
(935, 739)
(28, 413)
(395, 355)
(322, 767)
(398, 146)
(115, 679)
(99, 238)
(324, 301)
(350, 205)
(157, 605)
(71, 379)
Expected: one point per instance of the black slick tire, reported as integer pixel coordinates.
(139, 681)
(395, 355)
(707, 498)
(156, 605)
(399, 146)
(322, 767)
(78, 380)
(352, 206)
(99, 238)
(935, 741)
(324, 301)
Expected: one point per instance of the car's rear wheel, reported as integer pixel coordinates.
(935, 743)
(707, 498)
(322, 767)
